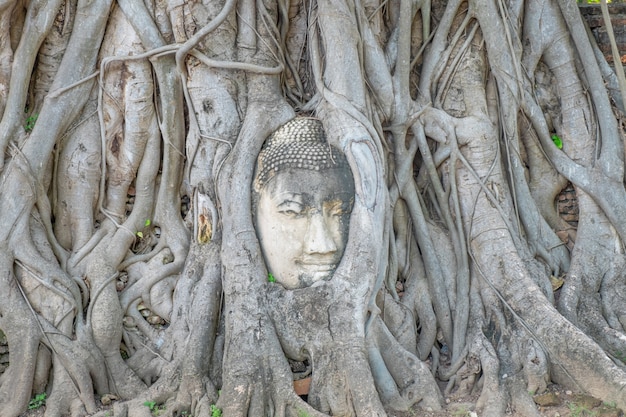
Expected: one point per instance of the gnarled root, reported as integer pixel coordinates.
(401, 378)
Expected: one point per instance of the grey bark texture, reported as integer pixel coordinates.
(130, 267)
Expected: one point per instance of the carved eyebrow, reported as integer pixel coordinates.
(298, 198)
(288, 202)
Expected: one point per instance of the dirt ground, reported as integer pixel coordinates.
(557, 401)
(562, 403)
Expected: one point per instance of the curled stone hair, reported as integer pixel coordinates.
(300, 143)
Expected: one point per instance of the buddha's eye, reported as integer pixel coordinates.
(291, 208)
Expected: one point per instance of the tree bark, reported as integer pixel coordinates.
(130, 266)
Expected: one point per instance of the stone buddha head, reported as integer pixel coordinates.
(303, 197)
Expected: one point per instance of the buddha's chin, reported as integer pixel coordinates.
(306, 277)
(309, 278)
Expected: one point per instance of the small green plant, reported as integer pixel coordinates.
(146, 224)
(577, 410)
(38, 401)
(610, 404)
(30, 122)
(154, 408)
(557, 141)
(215, 412)
(270, 278)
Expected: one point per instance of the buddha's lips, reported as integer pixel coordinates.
(313, 267)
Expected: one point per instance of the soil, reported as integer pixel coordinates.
(565, 404)
(559, 403)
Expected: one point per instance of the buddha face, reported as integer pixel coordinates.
(302, 219)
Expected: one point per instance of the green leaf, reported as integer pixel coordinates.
(215, 412)
(147, 222)
(38, 401)
(30, 122)
(140, 235)
(557, 141)
(270, 278)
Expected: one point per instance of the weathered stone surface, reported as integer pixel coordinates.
(567, 205)
(570, 217)
(154, 320)
(108, 399)
(547, 400)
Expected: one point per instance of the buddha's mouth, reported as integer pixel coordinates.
(312, 273)
(317, 267)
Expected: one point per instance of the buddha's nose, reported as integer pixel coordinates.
(319, 239)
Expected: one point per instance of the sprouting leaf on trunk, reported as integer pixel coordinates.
(30, 122)
(557, 141)
(215, 412)
(38, 401)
